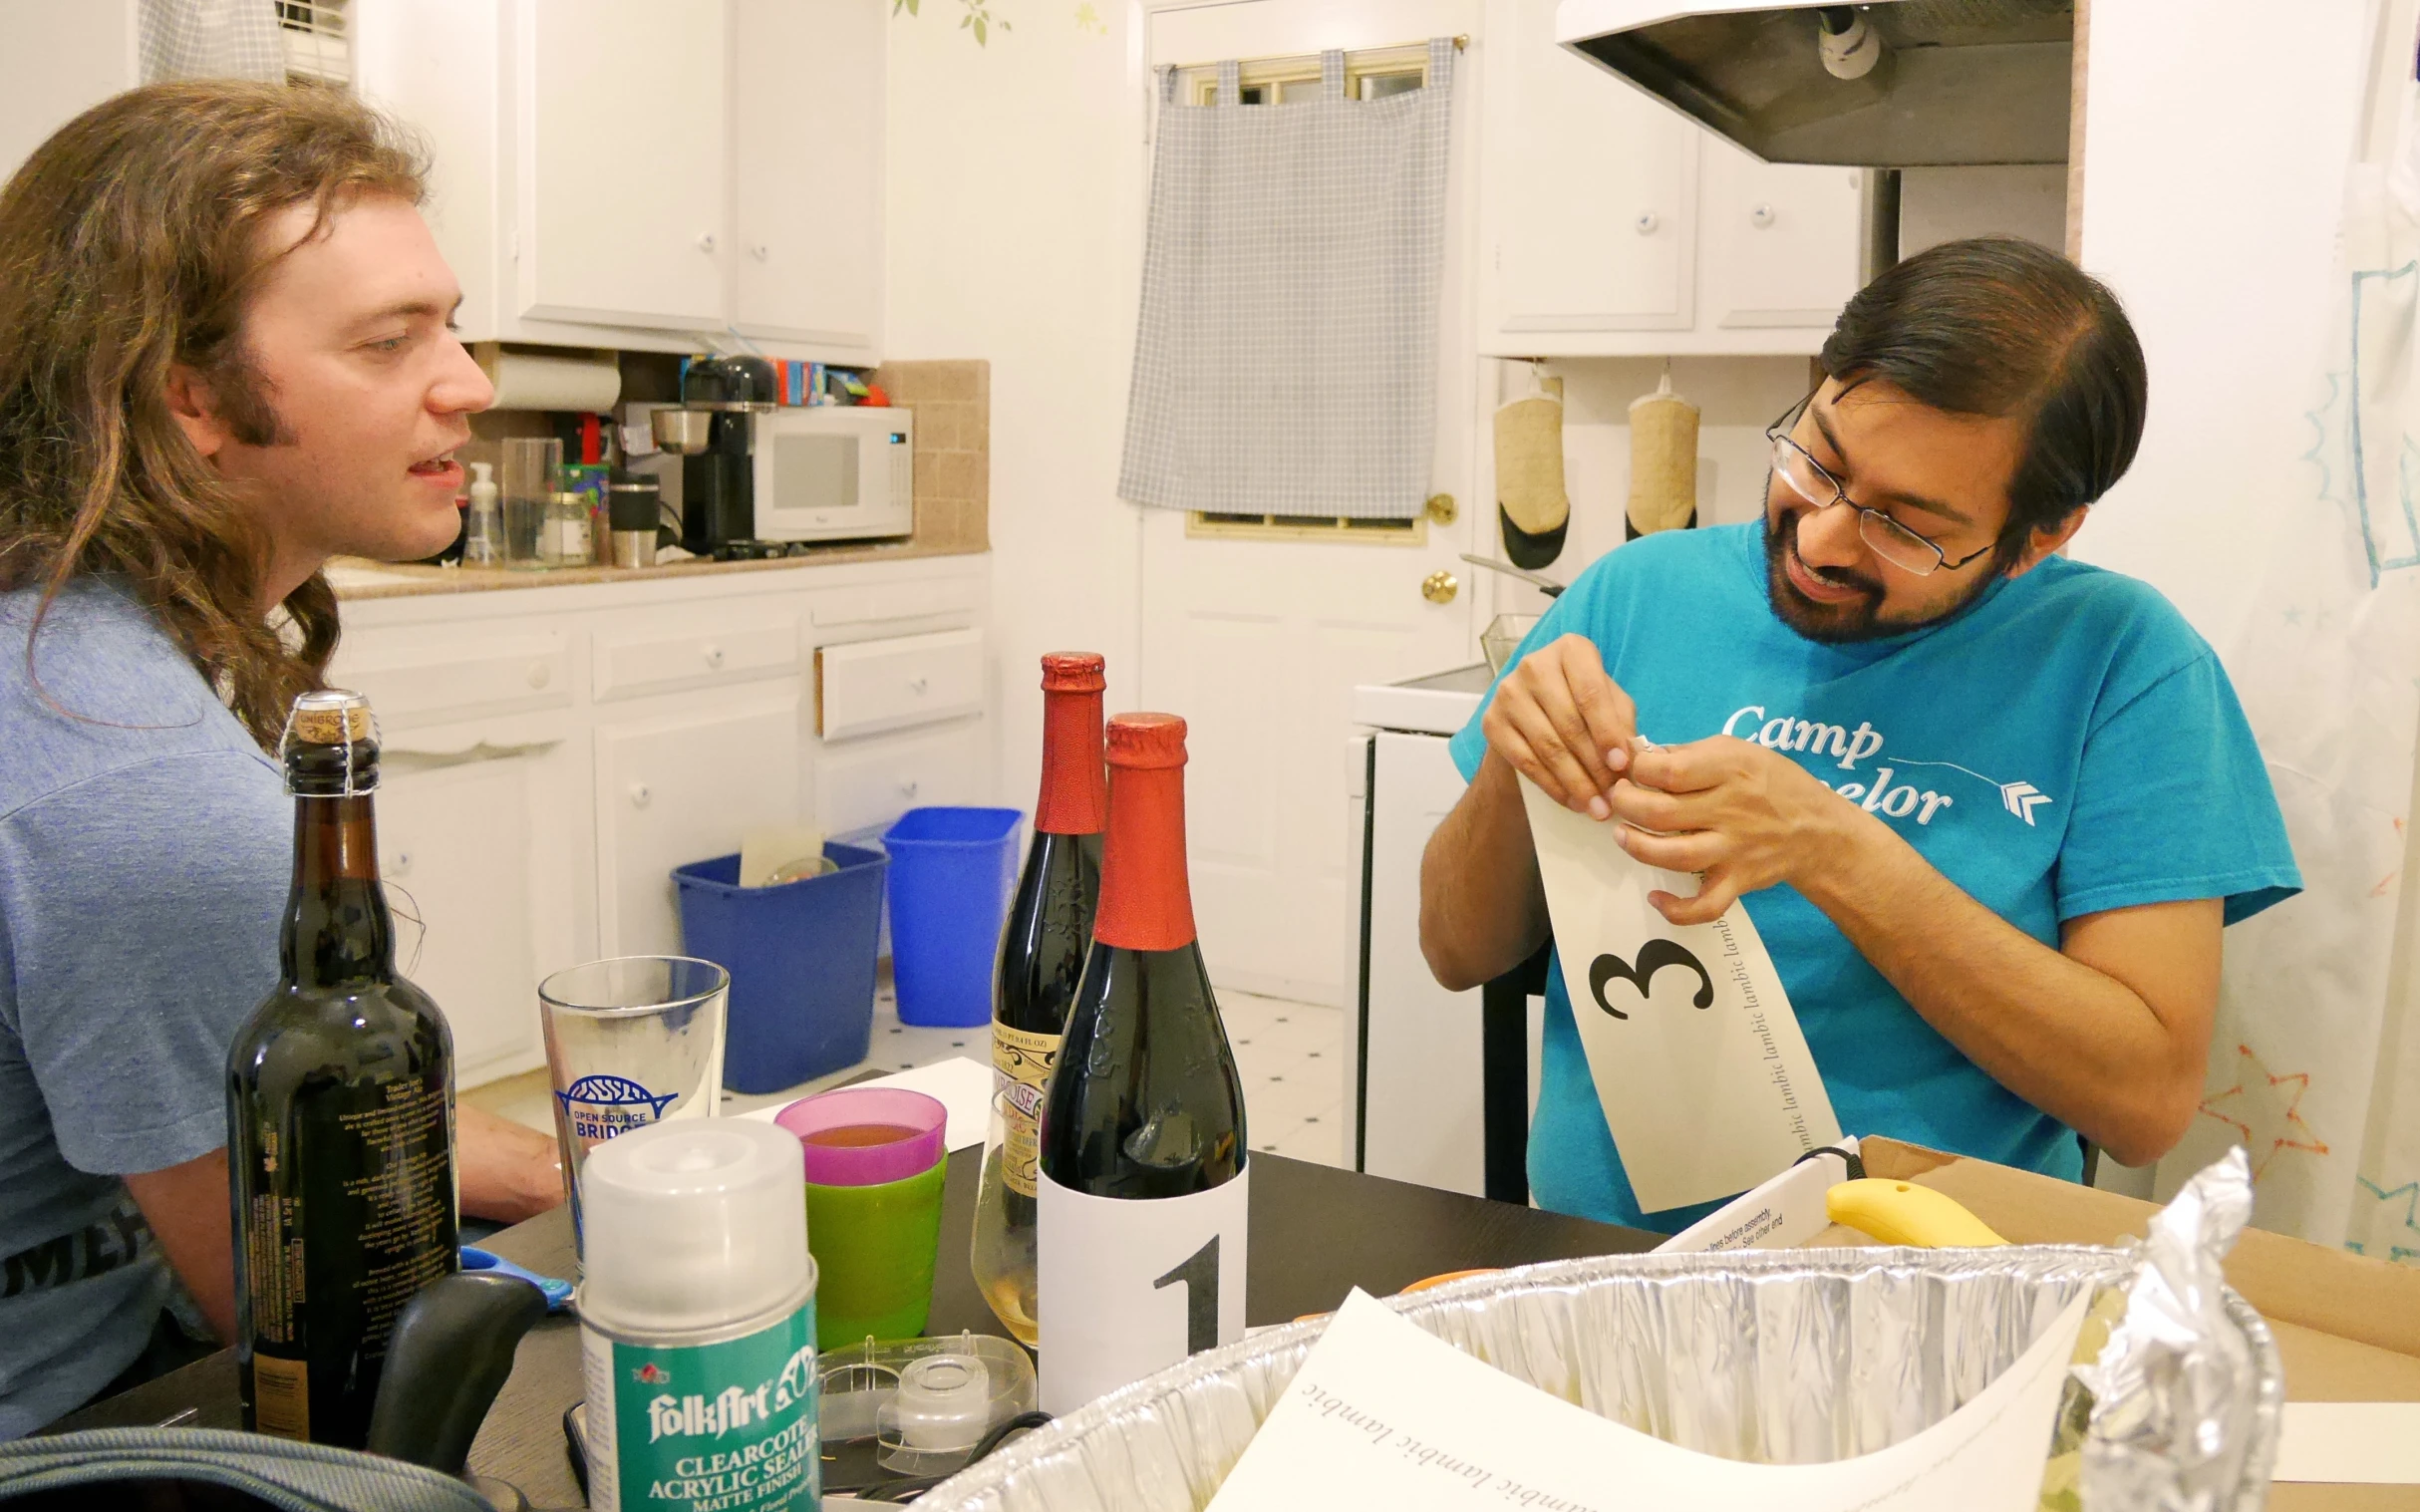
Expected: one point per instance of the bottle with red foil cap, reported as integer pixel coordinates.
(1143, 1186)
(1041, 956)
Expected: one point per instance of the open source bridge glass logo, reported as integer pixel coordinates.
(599, 1107)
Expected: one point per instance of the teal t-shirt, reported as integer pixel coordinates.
(2064, 745)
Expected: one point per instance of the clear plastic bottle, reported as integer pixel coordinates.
(483, 531)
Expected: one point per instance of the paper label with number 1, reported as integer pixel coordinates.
(1127, 1287)
(1707, 1082)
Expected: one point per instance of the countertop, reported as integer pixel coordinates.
(355, 580)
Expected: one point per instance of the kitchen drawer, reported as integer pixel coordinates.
(692, 647)
(868, 686)
(894, 601)
(427, 675)
(875, 781)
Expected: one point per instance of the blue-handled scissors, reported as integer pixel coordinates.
(557, 1290)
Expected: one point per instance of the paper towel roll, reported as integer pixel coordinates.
(535, 381)
(1663, 461)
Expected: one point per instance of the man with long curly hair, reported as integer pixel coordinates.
(225, 356)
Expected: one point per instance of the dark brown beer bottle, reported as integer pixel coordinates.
(340, 1113)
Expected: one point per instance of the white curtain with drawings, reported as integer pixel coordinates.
(1285, 360)
(2316, 1066)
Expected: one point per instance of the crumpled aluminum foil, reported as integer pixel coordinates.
(2172, 1424)
(1788, 1357)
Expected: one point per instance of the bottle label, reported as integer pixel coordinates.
(715, 1428)
(1129, 1286)
(348, 1213)
(1021, 1069)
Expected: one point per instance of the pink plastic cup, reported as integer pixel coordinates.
(924, 1120)
(873, 1210)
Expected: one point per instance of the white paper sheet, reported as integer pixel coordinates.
(1706, 1080)
(2373, 1444)
(1382, 1414)
(963, 1086)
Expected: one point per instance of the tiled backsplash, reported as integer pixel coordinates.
(952, 405)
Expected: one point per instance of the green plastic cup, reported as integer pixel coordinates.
(874, 1162)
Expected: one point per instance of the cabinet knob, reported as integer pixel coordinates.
(705, 243)
(713, 656)
(760, 251)
(1439, 587)
(640, 796)
(1761, 216)
(400, 865)
(907, 789)
(541, 674)
(916, 685)
(1646, 222)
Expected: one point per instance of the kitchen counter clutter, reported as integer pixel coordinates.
(552, 754)
(356, 580)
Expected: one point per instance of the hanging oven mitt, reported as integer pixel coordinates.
(1664, 462)
(1534, 511)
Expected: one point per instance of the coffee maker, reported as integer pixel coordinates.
(715, 432)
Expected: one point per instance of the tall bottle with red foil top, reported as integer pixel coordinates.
(1041, 958)
(1144, 1188)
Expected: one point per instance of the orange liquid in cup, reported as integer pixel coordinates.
(859, 1136)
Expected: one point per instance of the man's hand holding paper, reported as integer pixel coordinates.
(1742, 816)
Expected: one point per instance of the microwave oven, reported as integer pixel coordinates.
(834, 473)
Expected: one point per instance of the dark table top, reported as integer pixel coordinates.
(1317, 1233)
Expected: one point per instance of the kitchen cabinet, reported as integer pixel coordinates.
(681, 787)
(807, 145)
(647, 174)
(1611, 227)
(553, 753)
(581, 65)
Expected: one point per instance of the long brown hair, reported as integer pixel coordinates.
(129, 243)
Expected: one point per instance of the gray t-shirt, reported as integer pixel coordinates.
(144, 852)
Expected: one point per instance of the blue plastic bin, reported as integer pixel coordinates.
(801, 964)
(953, 872)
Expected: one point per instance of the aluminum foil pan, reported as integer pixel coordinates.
(1786, 1357)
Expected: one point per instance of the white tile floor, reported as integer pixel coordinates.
(1289, 1055)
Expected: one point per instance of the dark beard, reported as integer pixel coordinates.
(1844, 623)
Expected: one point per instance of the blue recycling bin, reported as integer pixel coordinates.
(953, 872)
(801, 962)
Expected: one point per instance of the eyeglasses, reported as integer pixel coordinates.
(1888, 538)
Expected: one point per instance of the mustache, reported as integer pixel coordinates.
(1787, 540)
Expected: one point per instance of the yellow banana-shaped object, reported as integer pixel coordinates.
(1899, 1212)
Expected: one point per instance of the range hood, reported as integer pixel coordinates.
(1909, 84)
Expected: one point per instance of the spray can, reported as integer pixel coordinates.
(697, 1322)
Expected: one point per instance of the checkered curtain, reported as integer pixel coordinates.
(1286, 356)
(210, 39)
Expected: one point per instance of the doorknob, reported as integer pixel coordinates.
(1439, 587)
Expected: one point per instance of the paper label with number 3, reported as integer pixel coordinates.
(1706, 1078)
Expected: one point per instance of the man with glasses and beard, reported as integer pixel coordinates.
(1989, 808)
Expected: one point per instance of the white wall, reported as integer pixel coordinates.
(56, 61)
(2214, 151)
(1012, 235)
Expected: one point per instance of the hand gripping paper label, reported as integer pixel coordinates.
(1130, 1286)
(1020, 1068)
(718, 1428)
(1705, 1080)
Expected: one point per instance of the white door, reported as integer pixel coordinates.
(490, 853)
(1780, 239)
(681, 787)
(1590, 197)
(806, 113)
(622, 164)
(1258, 642)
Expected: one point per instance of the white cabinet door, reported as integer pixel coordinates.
(680, 787)
(1590, 195)
(1780, 240)
(806, 82)
(491, 854)
(861, 783)
(623, 161)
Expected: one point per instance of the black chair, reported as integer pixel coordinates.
(1504, 1073)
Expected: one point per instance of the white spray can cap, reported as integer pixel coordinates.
(691, 1224)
